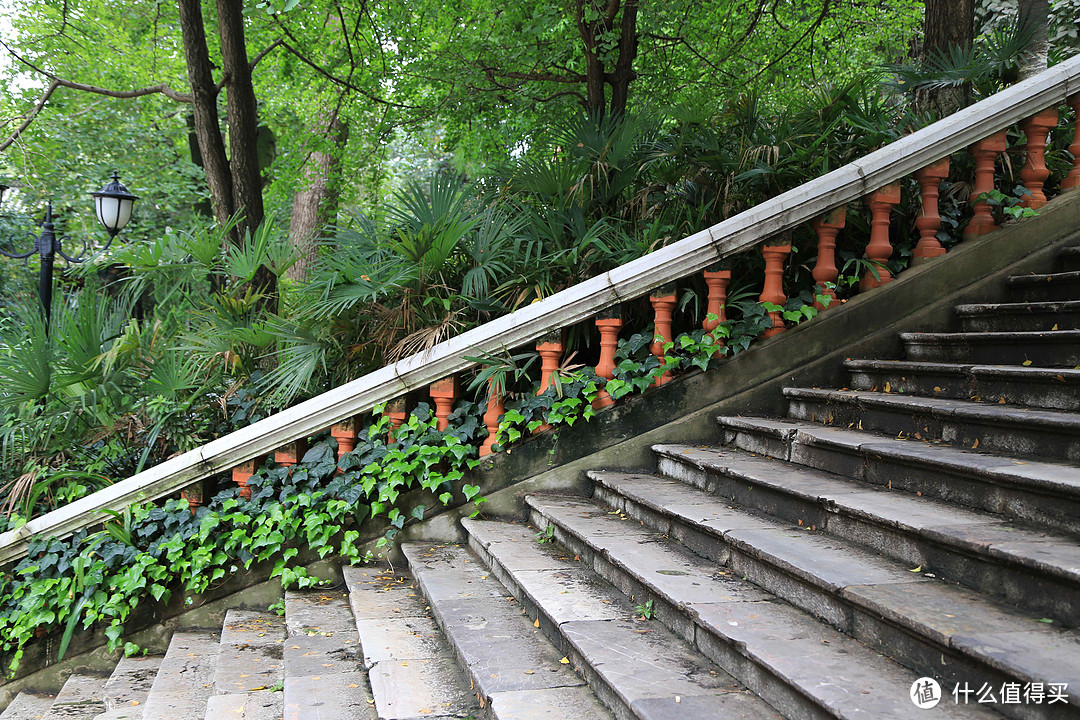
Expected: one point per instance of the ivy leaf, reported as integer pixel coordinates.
(470, 491)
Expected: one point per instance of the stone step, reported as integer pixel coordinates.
(934, 628)
(324, 674)
(1035, 569)
(82, 696)
(1043, 493)
(1053, 388)
(28, 706)
(1058, 348)
(127, 688)
(1045, 287)
(1019, 317)
(185, 679)
(412, 670)
(250, 670)
(513, 668)
(1012, 429)
(1069, 258)
(636, 665)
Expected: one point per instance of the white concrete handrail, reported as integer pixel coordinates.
(678, 260)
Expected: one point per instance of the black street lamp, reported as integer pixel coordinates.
(112, 203)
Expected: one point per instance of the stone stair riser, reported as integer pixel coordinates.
(1014, 317)
(1054, 390)
(989, 434)
(1046, 288)
(1034, 588)
(828, 605)
(1046, 351)
(961, 484)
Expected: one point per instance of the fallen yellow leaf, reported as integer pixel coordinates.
(565, 661)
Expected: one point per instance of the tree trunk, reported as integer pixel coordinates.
(624, 67)
(1036, 15)
(315, 206)
(215, 161)
(595, 100)
(946, 24)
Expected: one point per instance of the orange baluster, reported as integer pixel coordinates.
(1072, 180)
(345, 432)
(663, 309)
(880, 249)
(773, 289)
(609, 343)
(242, 473)
(494, 411)
(551, 351)
(827, 227)
(289, 455)
(1034, 173)
(715, 309)
(929, 220)
(395, 411)
(195, 494)
(985, 152)
(444, 392)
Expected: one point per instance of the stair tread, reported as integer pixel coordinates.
(1052, 476)
(185, 679)
(82, 696)
(1041, 278)
(993, 336)
(822, 662)
(324, 676)
(970, 531)
(1061, 375)
(28, 706)
(1036, 306)
(945, 407)
(427, 683)
(510, 654)
(644, 665)
(126, 689)
(251, 657)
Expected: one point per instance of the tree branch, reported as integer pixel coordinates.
(30, 117)
(162, 89)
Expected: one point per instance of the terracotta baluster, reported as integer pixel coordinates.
(608, 323)
(1072, 180)
(291, 454)
(827, 227)
(879, 250)
(985, 152)
(242, 473)
(551, 349)
(195, 495)
(929, 220)
(444, 392)
(345, 432)
(1034, 173)
(715, 309)
(663, 309)
(775, 253)
(395, 411)
(494, 411)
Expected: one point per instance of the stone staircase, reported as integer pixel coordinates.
(918, 524)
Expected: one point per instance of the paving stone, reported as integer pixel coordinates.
(131, 681)
(321, 654)
(645, 664)
(331, 696)
(375, 592)
(432, 687)
(560, 703)
(185, 679)
(82, 696)
(322, 611)
(265, 705)
(939, 611)
(251, 656)
(28, 706)
(401, 638)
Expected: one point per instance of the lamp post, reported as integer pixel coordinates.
(112, 204)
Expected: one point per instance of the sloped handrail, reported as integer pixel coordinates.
(684, 257)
